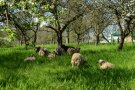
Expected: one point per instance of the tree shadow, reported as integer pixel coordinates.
(15, 60)
(93, 79)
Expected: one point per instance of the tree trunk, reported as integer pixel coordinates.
(35, 38)
(35, 35)
(83, 39)
(105, 38)
(67, 37)
(26, 42)
(121, 42)
(97, 39)
(78, 39)
(59, 38)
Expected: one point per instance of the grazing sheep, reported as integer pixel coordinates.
(52, 55)
(105, 64)
(71, 51)
(46, 51)
(77, 59)
(42, 51)
(30, 58)
(65, 47)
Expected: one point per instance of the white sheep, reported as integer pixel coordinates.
(77, 59)
(105, 64)
(71, 51)
(42, 51)
(30, 59)
(52, 54)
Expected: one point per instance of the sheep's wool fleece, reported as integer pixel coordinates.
(106, 65)
(76, 57)
(51, 55)
(29, 59)
(71, 51)
(41, 53)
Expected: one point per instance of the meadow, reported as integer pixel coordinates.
(57, 74)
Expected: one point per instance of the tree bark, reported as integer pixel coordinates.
(78, 39)
(35, 39)
(121, 42)
(59, 38)
(97, 39)
(35, 35)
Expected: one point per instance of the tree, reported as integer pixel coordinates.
(23, 12)
(80, 26)
(62, 14)
(99, 18)
(123, 13)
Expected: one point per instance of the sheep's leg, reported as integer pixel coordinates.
(73, 63)
(78, 63)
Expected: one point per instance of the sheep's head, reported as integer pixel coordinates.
(101, 62)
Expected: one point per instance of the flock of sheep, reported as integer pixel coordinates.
(76, 60)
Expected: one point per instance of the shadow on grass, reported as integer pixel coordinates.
(11, 78)
(95, 79)
(15, 60)
(12, 66)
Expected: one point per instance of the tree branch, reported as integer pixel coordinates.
(52, 28)
(73, 19)
(105, 38)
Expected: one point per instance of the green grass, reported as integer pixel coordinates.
(57, 74)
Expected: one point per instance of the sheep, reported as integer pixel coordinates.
(105, 64)
(52, 55)
(77, 59)
(46, 51)
(42, 51)
(30, 58)
(71, 51)
(65, 47)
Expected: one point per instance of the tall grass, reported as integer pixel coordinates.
(57, 74)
